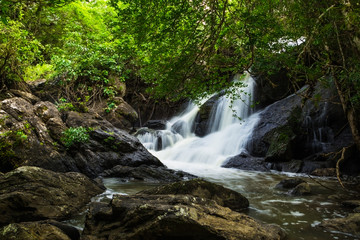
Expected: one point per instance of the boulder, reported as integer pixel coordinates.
(31, 135)
(349, 224)
(172, 217)
(32, 193)
(38, 231)
(204, 115)
(324, 172)
(122, 116)
(274, 135)
(156, 124)
(300, 189)
(289, 183)
(145, 173)
(246, 162)
(203, 189)
(26, 95)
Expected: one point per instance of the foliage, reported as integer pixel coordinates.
(193, 48)
(39, 71)
(18, 50)
(75, 135)
(9, 139)
(64, 105)
(85, 56)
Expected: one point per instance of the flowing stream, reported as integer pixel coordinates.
(179, 148)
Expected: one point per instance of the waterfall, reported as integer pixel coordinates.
(227, 134)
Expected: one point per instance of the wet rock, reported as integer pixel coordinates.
(294, 166)
(172, 217)
(246, 162)
(156, 124)
(31, 193)
(203, 117)
(324, 172)
(289, 183)
(349, 224)
(300, 189)
(351, 203)
(274, 135)
(36, 231)
(203, 189)
(153, 174)
(181, 127)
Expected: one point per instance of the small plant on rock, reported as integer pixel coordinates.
(75, 135)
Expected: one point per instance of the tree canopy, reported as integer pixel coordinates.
(182, 48)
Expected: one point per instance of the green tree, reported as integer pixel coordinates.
(191, 48)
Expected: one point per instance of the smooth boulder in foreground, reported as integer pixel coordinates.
(200, 188)
(32, 193)
(164, 217)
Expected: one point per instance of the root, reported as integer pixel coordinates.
(342, 158)
(337, 166)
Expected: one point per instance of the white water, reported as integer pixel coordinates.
(228, 134)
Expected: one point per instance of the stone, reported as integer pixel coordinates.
(156, 124)
(145, 173)
(32, 193)
(46, 110)
(172, 217)
(294, 166)
(26, 95)
(300, 189)
(203, 189)
(246, 162)
(122, 116)
(349, 224)
(324, 172)
(203, 117)
(274, 135)
(36, 231)
(289, 183)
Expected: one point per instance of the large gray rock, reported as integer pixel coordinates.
(203, 189)
(172, 217)
(32, 135)
(145, 173)
(274, 135)
(32, 193)
(201, 127)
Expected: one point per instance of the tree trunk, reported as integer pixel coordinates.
(351, 114)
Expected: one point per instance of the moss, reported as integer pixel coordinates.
(280, 143)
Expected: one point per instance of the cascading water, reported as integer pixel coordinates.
(228, 134)
(179, 148)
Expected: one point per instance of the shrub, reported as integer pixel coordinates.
(74, 135)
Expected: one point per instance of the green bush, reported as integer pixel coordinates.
(74, 135)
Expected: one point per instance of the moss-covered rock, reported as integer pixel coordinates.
(42, 230)
(32, 193)
(203, 189)
(349, 224)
